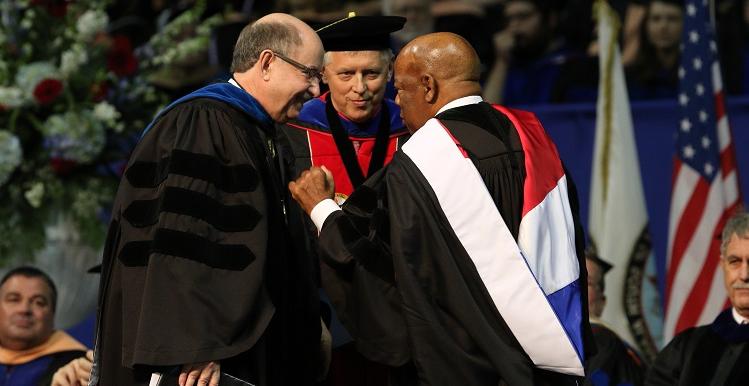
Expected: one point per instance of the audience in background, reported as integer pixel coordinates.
(529, 54)
(654, 71)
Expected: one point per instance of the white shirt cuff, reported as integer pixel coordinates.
(321, 211)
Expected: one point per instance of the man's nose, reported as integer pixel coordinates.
(359, 85)
(744, 271)
(314, 87)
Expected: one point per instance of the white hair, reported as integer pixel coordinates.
(386, 55)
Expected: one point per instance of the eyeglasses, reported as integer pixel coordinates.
(309, 72)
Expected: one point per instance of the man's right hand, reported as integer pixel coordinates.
(75, 373)
(313, 186)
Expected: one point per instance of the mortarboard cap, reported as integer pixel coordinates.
(592, 254)
(360, 33)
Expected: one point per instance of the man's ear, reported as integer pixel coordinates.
(265, 59)
(429, 85)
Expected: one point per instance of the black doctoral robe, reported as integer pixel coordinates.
(615, 363)
(197, 264)
(701, 355)
(404, 286)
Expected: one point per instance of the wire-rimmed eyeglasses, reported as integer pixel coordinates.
(309, 72)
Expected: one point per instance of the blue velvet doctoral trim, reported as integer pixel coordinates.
(727, 328)
(27, 374)
(225, 92)
(314, 112)
(567, 304)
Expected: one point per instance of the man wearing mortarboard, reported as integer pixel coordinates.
(616, 362)
(352, 130)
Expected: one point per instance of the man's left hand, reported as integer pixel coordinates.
(313, 186)
(200, 374)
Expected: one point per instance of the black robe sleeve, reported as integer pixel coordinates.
(358, 275)
(669, 364)
(189, 241)
(615, 363)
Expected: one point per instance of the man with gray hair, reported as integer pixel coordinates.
(353, 130)
(198, 277)
(715, 354)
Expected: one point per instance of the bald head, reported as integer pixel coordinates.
(433, 70)
(447, 56)
(278, 32)
(277, 60)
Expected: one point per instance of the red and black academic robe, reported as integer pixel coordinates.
(406, 288)
(716, 354)
(352, 152)
(197, 265)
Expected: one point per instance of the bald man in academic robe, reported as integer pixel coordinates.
(461, 262)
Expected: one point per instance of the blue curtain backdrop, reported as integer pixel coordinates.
(573, 129)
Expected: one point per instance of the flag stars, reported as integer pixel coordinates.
(683, 99)
(694, 37)
(691, 10)
(703, 116)
(688, 151)
(686, 125)
(697, 63)
(709, 169)
(713, 47)
(705, 142)
(682, 72)
(700, 89)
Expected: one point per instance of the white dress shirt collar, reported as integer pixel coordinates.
(738, 318)
(469, 100)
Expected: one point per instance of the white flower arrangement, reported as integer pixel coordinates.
(11, 97)
(11, 155)
(91, 23)
(30, 75)
(72, 59)
(74, 136)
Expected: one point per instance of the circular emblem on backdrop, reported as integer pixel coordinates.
(642, 303)
(340, 198)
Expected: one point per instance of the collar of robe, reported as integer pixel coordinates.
(727, 328)
(226, 92)
(346, 148)
(59, 341)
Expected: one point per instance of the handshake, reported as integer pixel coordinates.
(312, 186)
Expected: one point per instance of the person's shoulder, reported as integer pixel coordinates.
(313, 111)
(201, 103)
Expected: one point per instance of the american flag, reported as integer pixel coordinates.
(705, 183)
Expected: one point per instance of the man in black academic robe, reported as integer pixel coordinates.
(409, 287)
(718, 353)
(353, 130)
(615, 362)
(198, 276)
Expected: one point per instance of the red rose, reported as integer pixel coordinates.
(47, 91)
(62, 166)
(120, 59)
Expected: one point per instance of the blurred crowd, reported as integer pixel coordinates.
(532, 51)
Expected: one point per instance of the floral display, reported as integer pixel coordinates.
(73, 100)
